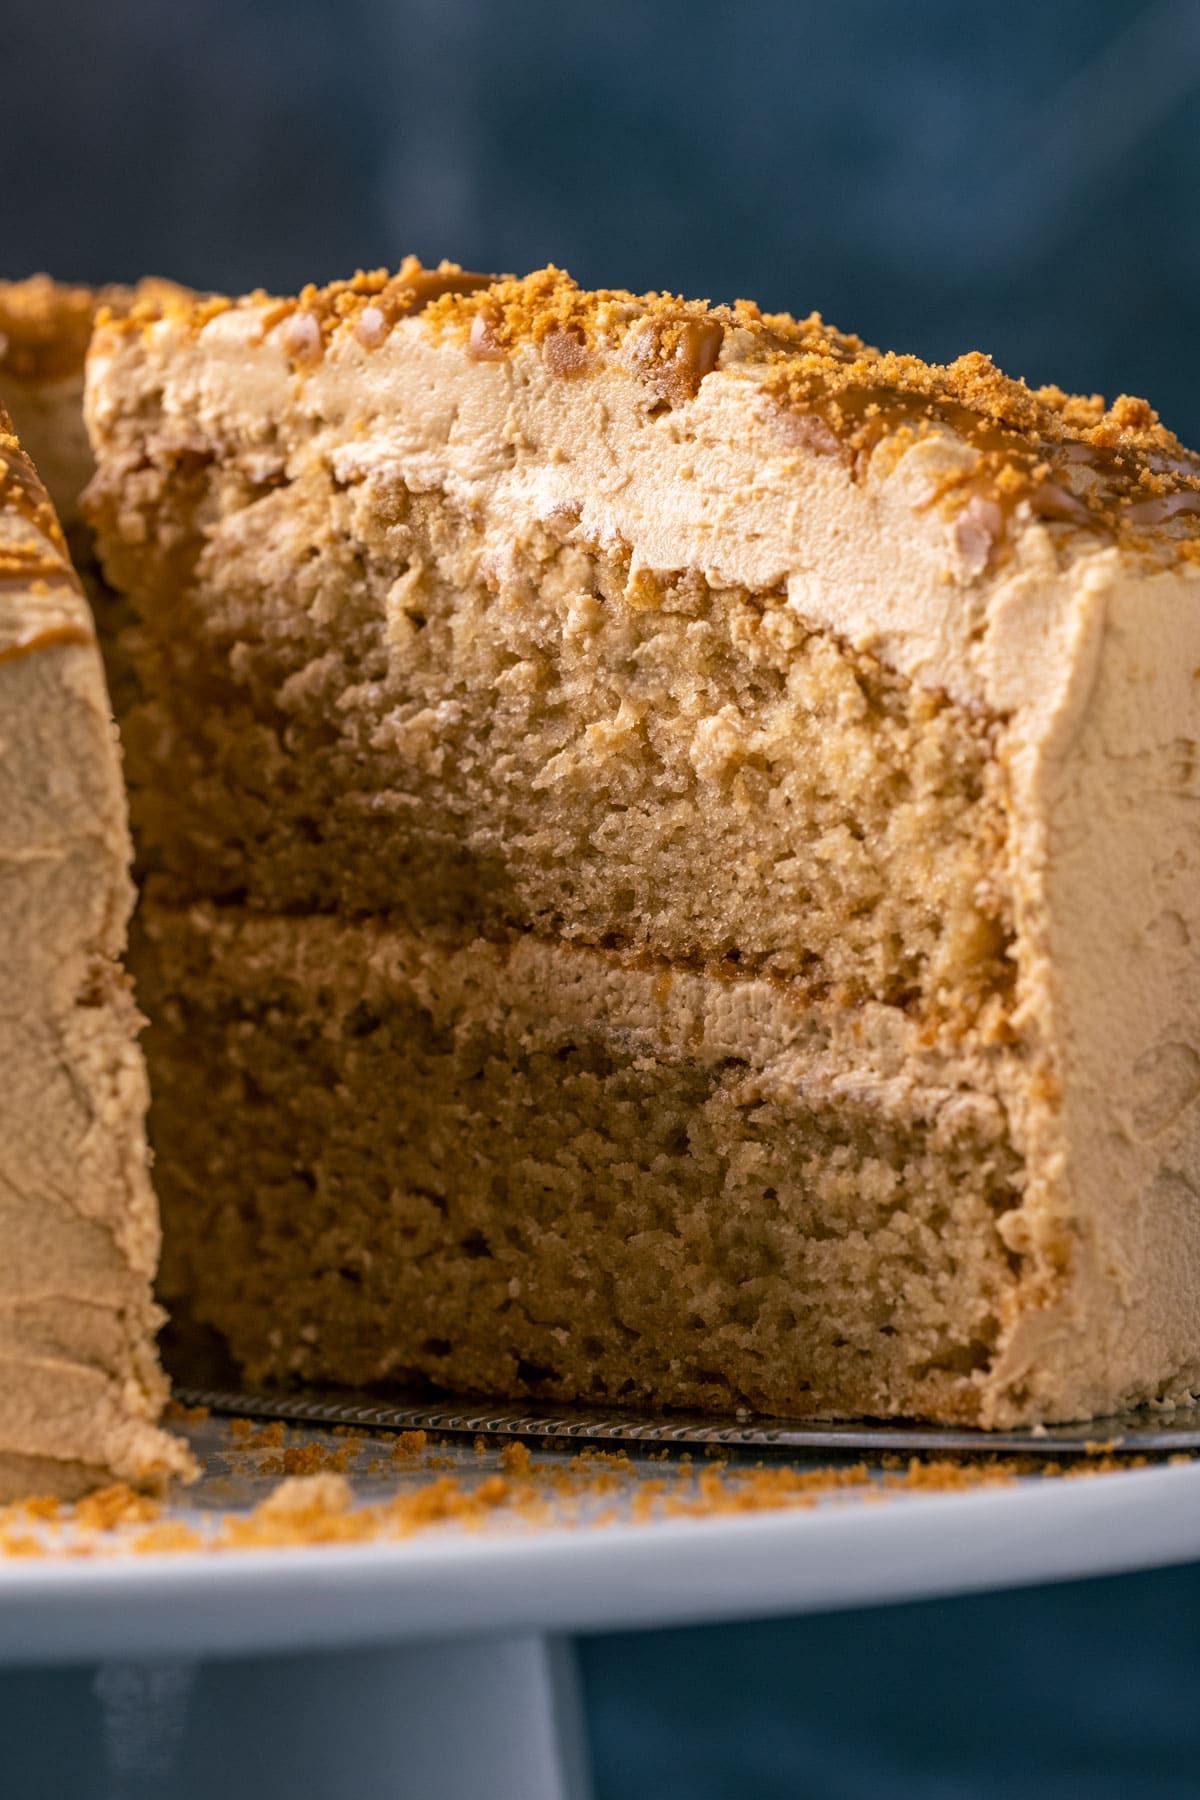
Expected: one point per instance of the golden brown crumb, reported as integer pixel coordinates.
(41, 1506)
(170, 1537)
(46, 325)
(270, 1437)
(605, 1459)
(249, 1436)
(1104, 1465)
(20, 1543)
(298, 1497)
(179, 1414)
(314, 1505)
(304, 1509)
(492, 1491)
(944, 1475)
(117, 1505)
(313, 1459)
(410, 1444)
(842, 397)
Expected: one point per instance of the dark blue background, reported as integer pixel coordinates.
(936, 175)
(939, 176)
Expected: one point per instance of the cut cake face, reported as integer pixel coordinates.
(81, 1389)
(668, 845)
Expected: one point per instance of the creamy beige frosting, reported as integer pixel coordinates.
(81, 1389)
(1085, 645)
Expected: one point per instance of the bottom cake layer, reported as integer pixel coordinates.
(534, 1170)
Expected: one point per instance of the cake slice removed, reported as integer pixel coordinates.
(80, 1385)
(670, 850)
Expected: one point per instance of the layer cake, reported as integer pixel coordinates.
(668, 851)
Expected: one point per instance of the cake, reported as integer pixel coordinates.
(80, 1385)
(45, 329)
(668, 851)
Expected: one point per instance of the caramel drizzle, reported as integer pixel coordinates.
(26, 564)
(1012, 471)
(673, 355)
(21, 491)
(54, 637)
(414, 293)
(369, 305)
(839, 398)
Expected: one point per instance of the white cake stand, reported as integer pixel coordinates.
(439, 1666)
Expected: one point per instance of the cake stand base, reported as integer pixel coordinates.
(490, 1719)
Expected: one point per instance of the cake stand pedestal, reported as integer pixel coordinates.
(484, 1719)
(436, 1666)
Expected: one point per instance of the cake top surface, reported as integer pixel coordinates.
(46, 325)
(1110, 469)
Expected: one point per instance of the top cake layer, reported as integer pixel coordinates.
(889, 499)
(496, 644)
(1114, 470)
(506, 591)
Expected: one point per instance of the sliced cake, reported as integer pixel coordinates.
(80, 1385)
(669, 851)
(45, 329)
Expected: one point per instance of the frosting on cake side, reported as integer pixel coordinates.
(82, 1389)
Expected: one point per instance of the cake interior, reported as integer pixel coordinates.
(357, 740)
(424, 1170)
(346, 705)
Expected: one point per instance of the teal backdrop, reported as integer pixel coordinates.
(938, 176)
